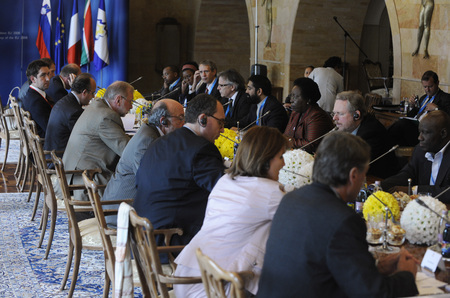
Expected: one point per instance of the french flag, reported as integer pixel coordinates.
(74, 51)
(45, 30)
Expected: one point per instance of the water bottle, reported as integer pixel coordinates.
(375, 187)
(445, 249)
(441, 227)
(359, 203)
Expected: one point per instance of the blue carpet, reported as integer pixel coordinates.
(13, 152)
(23, 270)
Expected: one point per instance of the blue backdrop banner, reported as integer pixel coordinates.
(19, 21)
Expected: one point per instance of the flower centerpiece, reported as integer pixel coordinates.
(373, 207)
(420, 224)
(296, 161)
(225, 145)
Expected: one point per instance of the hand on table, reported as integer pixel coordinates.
(402, 261)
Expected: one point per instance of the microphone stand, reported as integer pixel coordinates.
(167, 94)
(322, 136)
(346, 34)
(382, 155)
(257, 119)
(423, 204)
(385, 248)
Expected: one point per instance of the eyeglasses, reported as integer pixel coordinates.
(224, 85)
(339, 114)
(130, 101)
(220, 121)
(179, 117)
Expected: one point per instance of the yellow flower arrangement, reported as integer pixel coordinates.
(373, 206)
(225, 146)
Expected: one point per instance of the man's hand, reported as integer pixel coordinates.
(431, 107)
(407, 262)
(72, 77)
(402, 261)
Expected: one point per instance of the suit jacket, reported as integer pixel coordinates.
(214, 91)
(317, 248)
(238, 111)
(62, 119)
(56, 89)
(276, 118)
(39, 109)
(308, 126)
(174, 180)
(419, 170)
(375, 134)
(442, 100)
(97, 141)
(175, 94)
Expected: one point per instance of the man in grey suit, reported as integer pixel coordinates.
(166, 116)
(98, 138)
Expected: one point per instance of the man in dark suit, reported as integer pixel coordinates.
(350, 115)
(172, 83)
(207, 72)
(24, 89)
(36, 101)
(405, 131)
(166, 116)
(429, 167)
(265, 109)
(236, 102)
(179, 170)
(59, 84)
(66, 112)
(317, 245)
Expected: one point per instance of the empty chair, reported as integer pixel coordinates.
(6, 133)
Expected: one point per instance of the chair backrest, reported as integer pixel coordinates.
(372, 99)
(18, 115)
(373, 70)
(214, 279)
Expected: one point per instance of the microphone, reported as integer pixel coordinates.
(138, 79)
(228, 102)
(265, 114)
(229, 139)
(167, 94)
(292, 172)
(322, 136)
(423, 204)
(387, 208)
(382, 155)
(442, 192)
(335, 18)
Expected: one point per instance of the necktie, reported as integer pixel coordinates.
(207, 90)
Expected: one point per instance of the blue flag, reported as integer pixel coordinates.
(60, 39)
(101, 53)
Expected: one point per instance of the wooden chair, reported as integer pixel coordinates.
(214, 278)
(372, 99)
(83, 234)
(107, 234)
(376, 82)
(155, 279)
(6, 133)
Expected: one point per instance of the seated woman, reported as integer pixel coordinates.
(239, 212)
(308, 121)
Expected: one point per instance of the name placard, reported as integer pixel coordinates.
(432, 260)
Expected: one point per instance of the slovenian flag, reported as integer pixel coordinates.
(60, 39)
(74, 51)
(101, 54)
(87, 50)
(45, 29)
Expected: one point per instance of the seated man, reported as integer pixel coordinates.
(98, 137)
(350, 115)
(36, 101)
(172, 83)
(405, 131)
(265, 110)
(179, 170)
(166, 116)
(59, 84)
(317, 245)
(66, 112)
(24, 89)
(429, 167)
(232, 89)
(187, 85)
(205, 79)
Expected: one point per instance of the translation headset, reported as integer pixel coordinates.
(165, 122)
(203, 121)
(355, 116)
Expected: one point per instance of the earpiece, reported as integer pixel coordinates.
(203, 121)
(355, 116)
(266, 165)
(165, 122)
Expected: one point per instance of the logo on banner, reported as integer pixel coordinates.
(45, 9)
(101, 30)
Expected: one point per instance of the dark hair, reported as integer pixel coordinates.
(71, 68)
(259, 145)
(160, 110)
(209, 63)
(430, 74)
(200, 104)
(82, 82)
(233, 77)
(48, 61)
(337, 154)
(261, 82)
(173, 68)
(34, 67)
(310, 66)
(355, 102)
(308, 89)
(333, 62)
(188, 65)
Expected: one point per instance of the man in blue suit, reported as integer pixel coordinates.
(59, 84)
(66, 112)
(179, 170)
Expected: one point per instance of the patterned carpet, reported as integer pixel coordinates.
(13, 152)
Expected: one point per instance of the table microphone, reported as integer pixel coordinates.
(167, 94)
(382, 155)
(227, 103)
(257, 119)
(292, 172)
(138, 79)
(322, 136)
(423, 204)
(442, 192)
(387, 207)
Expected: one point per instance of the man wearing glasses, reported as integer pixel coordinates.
(98, 137)
(179, 170)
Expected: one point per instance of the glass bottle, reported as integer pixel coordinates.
(441, 227)
(359, 203)
(445, 249)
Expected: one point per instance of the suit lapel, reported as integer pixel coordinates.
(444, 168)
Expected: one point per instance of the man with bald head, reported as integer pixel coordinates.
(59, 84)
(98, 137)
(166, 116)
(429, 167)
